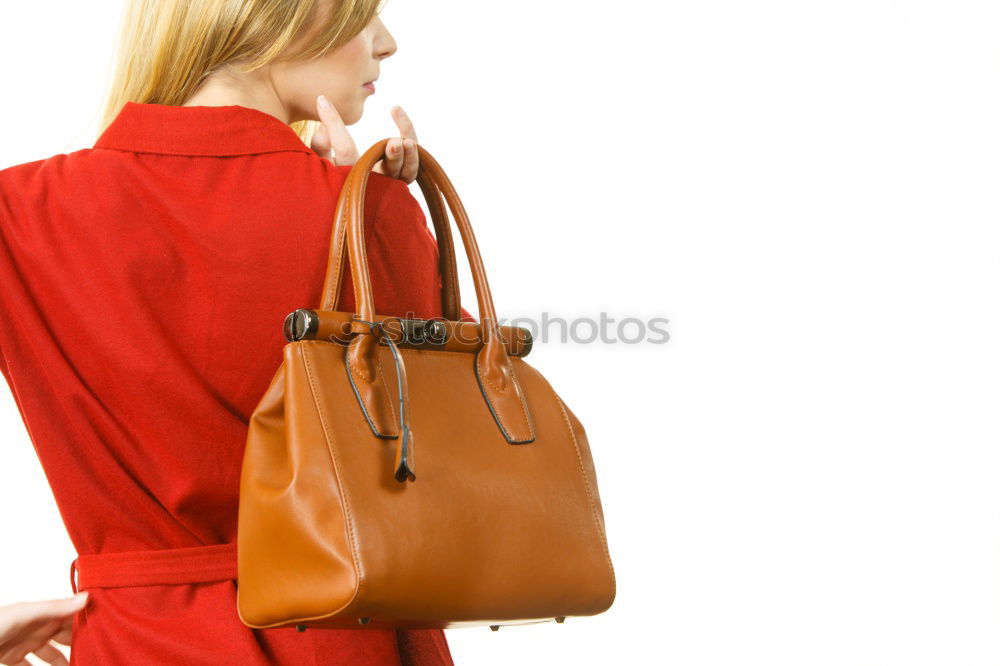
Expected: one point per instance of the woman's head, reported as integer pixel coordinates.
(168, 49)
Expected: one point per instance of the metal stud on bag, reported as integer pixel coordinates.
(421, 331)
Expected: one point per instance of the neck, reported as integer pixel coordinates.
(253, 90)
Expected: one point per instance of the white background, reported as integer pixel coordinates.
(807, 473)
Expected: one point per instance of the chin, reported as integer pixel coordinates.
(353, 117)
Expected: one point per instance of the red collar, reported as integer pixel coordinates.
(198, 130)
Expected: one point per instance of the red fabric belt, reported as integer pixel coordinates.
(171, 566)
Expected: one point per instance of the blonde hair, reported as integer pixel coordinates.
(166, 48)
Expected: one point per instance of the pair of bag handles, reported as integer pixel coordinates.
(451, 304)
(494, 370)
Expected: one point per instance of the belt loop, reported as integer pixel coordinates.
(72, 575)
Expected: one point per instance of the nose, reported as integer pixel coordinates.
(383, 45)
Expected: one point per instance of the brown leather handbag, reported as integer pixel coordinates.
(408, 473)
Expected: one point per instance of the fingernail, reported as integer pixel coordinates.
(323, 104)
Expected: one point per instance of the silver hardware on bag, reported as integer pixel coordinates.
(421, 331)
(301, 324)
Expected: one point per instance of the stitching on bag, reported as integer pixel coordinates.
(378, 367)
(481, 378)
(354, 371)
(361, 403)
(479, 367)
(519, 394)
(352, 534)
(378, 358)
(410, 350)
(404, 351)
(586, 484)
(343, 251)
(520, 398)
(343, 247)
(385, 387)
(336, 271)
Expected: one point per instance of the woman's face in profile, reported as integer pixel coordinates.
(341, 75)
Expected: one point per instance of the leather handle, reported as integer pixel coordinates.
(451, 301)
(494, 370)
(353, 210)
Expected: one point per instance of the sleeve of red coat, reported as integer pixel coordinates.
(7, 277)
(12, 291)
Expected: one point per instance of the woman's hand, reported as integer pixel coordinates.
(28, 626)
(331, 141)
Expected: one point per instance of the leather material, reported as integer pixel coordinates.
(450, 297)
(450, 294)
(417, 486)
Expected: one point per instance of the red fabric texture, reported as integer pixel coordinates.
(144, 286)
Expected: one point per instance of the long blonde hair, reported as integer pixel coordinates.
(166, 48)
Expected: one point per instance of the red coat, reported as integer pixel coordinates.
(143, 286)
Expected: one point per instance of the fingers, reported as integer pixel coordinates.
(404, 123)
(331, 140)
(20, 641)
(29, 613)
(410, 161)
(64, 635)
(57, 608)
(393, 163)
(320, 142)
(50, 654)
(28, 626)
(408, 170)
(401, 159)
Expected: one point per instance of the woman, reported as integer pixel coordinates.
(145, 282)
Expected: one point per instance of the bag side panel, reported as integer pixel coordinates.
(295, 559)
